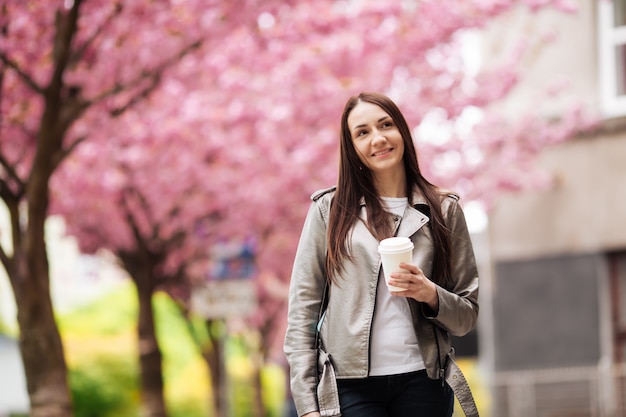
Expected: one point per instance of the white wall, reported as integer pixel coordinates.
(584, 212)
(569, 60)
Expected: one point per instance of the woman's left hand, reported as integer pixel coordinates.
(417, 285)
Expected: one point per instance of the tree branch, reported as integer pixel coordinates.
(13, 205)
(77, 55)
(154, 76)
(60, 156)
(176, 238)
(11, 172)
(144, 93)
(7, 262)
(141, 242)
(132, 224)
(21, 74)
(66, 27)
(143, 203)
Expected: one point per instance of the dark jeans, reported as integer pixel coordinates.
(404, 395)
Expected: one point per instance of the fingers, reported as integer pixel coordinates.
(412, 274)
(416, 284)
(413, 269)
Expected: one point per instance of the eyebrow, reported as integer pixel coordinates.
(364, 125)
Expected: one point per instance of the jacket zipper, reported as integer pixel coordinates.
(442, 371)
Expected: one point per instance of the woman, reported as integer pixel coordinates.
(390, 351)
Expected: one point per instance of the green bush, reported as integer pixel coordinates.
(105, 387)
(101, 348)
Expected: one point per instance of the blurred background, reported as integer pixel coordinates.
(156, 163)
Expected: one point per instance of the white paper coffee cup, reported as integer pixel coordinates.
(393, 251)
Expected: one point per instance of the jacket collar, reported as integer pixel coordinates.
(417, 198)
(415, 217)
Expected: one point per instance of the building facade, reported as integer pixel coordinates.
(554, 342)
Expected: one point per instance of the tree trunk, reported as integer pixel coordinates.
(258, 408)
(153, 402)
(213, 355)
(150, 359)
(40, 342)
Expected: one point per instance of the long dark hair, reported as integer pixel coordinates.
(356, 181)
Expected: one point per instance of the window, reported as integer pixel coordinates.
(612, 51)
(617, 282)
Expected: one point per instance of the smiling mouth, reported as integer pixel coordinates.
(383, 152)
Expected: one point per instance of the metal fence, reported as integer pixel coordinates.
(567, 392)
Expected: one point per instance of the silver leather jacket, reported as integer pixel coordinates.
(345, 330)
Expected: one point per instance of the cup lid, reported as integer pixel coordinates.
(395, 244)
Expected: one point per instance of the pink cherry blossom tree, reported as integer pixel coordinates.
(63, 63)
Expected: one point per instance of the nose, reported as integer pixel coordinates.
(378, 137)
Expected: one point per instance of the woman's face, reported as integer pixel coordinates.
(376, 138)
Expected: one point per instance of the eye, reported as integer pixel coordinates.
(360, 133)
(387, 124)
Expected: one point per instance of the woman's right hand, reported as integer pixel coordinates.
(312, 414)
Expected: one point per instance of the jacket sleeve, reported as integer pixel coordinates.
(305, 296)
(458, 306)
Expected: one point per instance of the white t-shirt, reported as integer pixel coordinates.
(393, 343)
